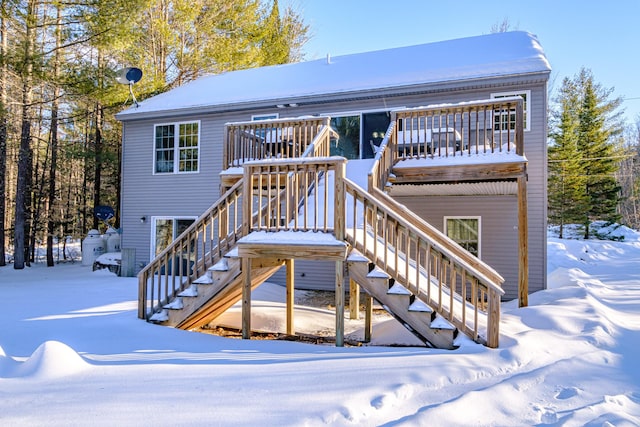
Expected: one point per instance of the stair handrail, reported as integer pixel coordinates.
(204, 243)
(480, 276)
(165, 287)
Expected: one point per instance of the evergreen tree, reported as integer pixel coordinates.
(598, 132)
(567, 197)
(283, 37)
(584, 153)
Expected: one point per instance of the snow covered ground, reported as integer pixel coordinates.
(72, 352)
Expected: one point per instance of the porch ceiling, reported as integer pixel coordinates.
(495, 188)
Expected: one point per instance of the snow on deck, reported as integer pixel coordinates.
(465, 159)
(289, 237)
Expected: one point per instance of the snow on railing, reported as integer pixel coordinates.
(267, 139)
(188, 257)
(438, 271)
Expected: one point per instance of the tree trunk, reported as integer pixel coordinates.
(51, 224)
(3, 139)
(24, 153)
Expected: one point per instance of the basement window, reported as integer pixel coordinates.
(465, 231)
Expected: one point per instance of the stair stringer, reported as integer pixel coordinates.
(399, 305)
(224, 294)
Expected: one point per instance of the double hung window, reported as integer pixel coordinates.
(177, 147)
(504, 120)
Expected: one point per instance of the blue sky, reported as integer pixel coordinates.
(601, 36)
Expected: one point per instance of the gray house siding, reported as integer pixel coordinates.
(145, 194)
(499, 222)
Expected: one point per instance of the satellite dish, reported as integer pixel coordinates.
(103, 213)
(129, 76)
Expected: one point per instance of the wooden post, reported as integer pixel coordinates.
(339, 201)
(368, 319)
(339, 304)
(247, 198)
(246, 298)
(128, 262)
(493, 322)
(354, 300)
(290, 294)
(523, 244)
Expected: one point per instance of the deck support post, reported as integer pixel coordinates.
(368, 325)
(246, 298)
(339, 303)
(290, 295)
(493, 321)
(354, 300)
(523, 244)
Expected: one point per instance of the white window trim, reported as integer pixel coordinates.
(176, 147)
(527, 106)
(270, 116)
(478, 218)
(154, 219)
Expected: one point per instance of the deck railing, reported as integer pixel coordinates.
(433, 267)
(486, 127)
(478, 127)
(199, 247)
(278, 138)
(294, 194)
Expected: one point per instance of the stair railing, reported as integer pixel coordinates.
(212, 235)
(433, 267)
(189, 256)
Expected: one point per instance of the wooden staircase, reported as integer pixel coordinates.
(400, 302)
(424, 279)
(213, 293)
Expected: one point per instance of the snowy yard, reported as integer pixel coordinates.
(72, 352)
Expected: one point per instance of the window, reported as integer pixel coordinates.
(264, 116)
(465, 231)
(348, 143)
(177, 147)
(165, 230)
(506, 120)
(359, 134)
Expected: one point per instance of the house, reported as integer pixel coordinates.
(441, 101)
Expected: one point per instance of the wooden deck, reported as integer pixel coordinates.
(281, 188)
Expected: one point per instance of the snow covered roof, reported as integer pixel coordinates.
(493, 55)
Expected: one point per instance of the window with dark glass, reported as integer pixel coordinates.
(465, 232)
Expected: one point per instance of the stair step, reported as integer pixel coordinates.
(191, 291)
(205, 279)
(222, 265)
(176, 304)
(160, 316)
(420, 306)
(233, 253)
(378, 273)
(442, 324)
(398, 289)
(355, 256)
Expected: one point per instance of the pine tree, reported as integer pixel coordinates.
(597, 135)
(584, 153)
(567, 200)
